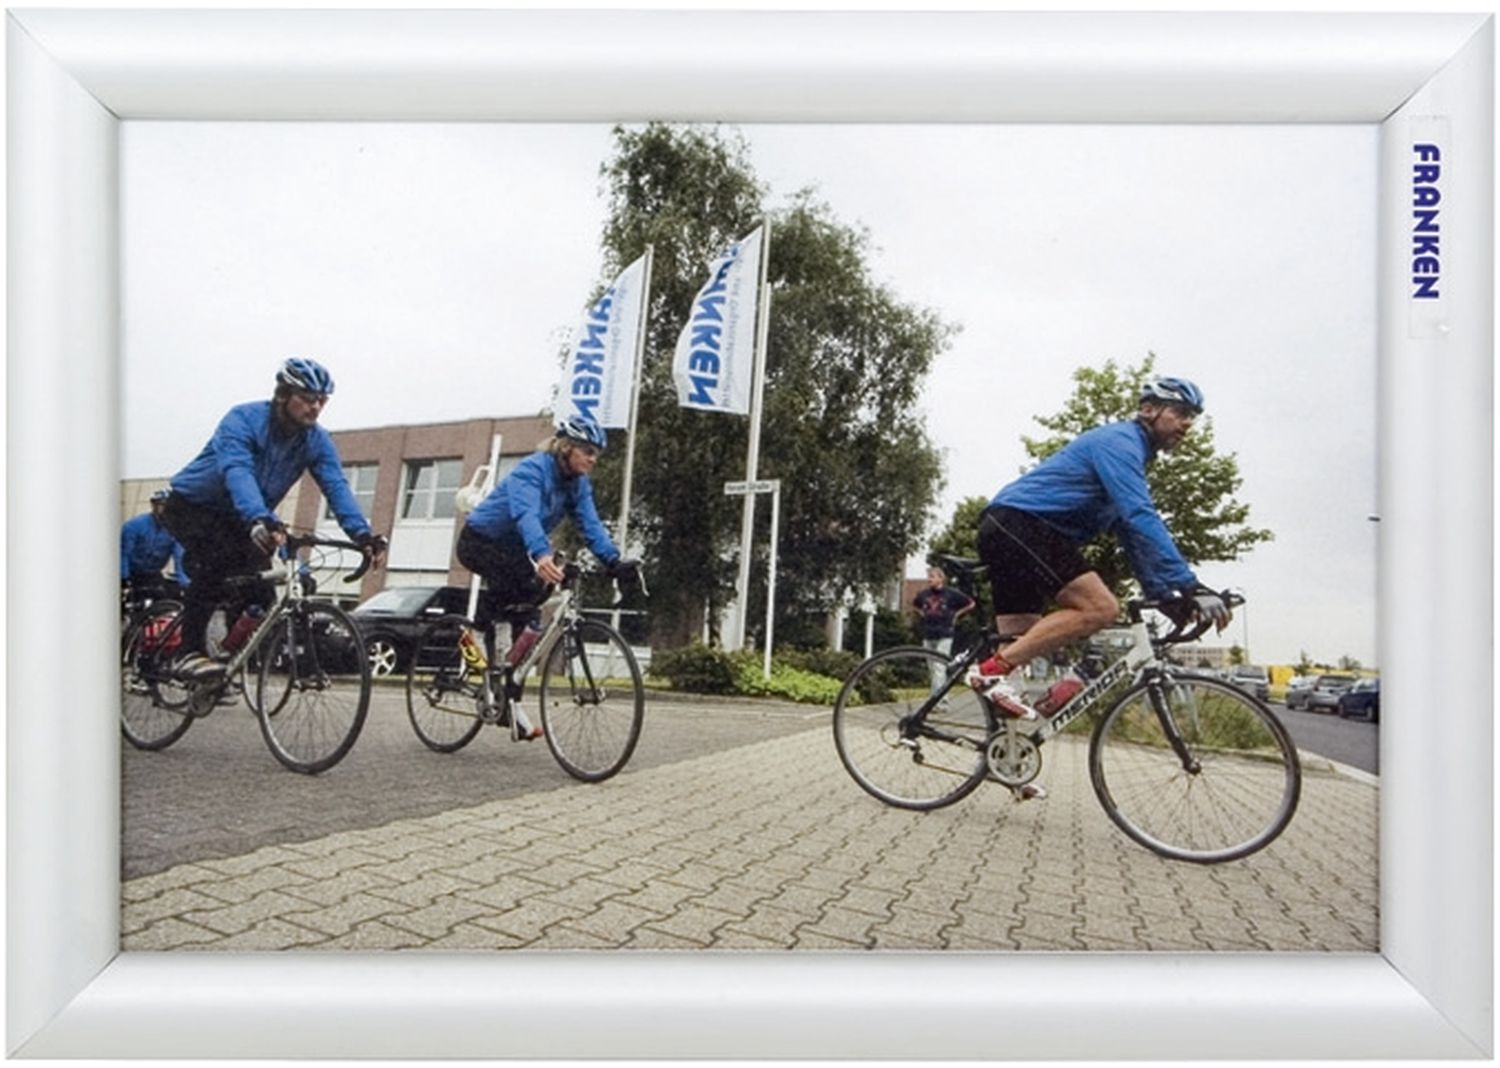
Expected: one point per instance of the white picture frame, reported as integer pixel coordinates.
(74, 75)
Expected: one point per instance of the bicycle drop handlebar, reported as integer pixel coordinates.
(295, 542)
(1191, 626)
(574, 570)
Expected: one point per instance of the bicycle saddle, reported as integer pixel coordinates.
(956, 565)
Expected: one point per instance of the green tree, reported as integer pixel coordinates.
(1348, 663)
(1236, 655)
(961, 536)
(1305, 666)
(845, 360)
(1193, 485)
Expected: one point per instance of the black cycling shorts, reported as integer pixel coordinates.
(1029, 560)
(510, 577)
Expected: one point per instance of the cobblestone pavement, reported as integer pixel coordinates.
(769, 844)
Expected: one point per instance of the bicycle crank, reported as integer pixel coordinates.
(1013, 758)
(203, 698)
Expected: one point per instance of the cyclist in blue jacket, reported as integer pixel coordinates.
(145, 548)
(505, 540)
(1034, 529)
(222, 506)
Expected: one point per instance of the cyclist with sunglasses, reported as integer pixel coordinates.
(1034, 529)
(222, 506)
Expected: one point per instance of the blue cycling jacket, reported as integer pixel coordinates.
(1097, 483)
(532, 500)
(145, 548)
(249, 464)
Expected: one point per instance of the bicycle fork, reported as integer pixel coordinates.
(1157, 693)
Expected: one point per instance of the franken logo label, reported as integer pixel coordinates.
(588, 358)
(707, 334)
(1426, 266)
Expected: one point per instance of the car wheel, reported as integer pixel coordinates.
(384, 656)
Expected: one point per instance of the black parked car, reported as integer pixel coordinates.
(391, 620)
(1362, 700)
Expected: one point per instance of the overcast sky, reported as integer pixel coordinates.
(437, 269)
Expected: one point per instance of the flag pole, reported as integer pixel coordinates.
(489, 484)
(752, 456)
(627, 479)
(635, 400)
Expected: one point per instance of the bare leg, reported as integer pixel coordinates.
(1012, 627)
(1085, 607)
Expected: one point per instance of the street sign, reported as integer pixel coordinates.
(760, 485)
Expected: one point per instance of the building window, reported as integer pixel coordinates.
(361, 479)
(429, 488)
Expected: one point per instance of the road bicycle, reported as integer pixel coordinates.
(302, 667)
(591, 696)
(140, 599)
(1189, 766)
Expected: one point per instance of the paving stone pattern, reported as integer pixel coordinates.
(771, 846)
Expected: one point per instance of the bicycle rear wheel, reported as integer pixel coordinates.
(442, 691)
(592, 700)
(908, 764)
(1229, 791)
(153, 705)
(314, 687)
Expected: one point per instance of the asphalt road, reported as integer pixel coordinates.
(218, 792)
(1348, 741)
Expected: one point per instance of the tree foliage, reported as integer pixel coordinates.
(1193, 485)
(845, 361)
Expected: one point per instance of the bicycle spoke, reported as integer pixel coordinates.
(901, 760)
(153, 704)
(314, 687)
(1241, 795)
(443, 692)
(592, 701)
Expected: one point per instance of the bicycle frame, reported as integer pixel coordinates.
(284, 574)
(559, 611)
(1137, 659)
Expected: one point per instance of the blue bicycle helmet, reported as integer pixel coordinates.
(1173, 391)
(310, 376)
(577, 428)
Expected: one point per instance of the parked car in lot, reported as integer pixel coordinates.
(1325, 694)
(1253, 678)
(1299, 689)
(1362, 701)
(390, 621)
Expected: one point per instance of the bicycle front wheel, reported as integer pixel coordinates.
(442, 691)
(592, 700)
(906, 762)
(314, 687)
(1225, 786)
(153, 705)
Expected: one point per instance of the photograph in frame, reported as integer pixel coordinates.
(1032, 262)
(670, 976)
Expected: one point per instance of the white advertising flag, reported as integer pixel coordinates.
(597, 378)
(715, 353)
